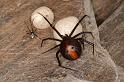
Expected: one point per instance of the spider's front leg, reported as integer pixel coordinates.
(50, 39)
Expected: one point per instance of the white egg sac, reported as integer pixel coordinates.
(38, 20)
(66, 25)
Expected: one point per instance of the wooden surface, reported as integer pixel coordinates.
(112, 35)
(20, 56)
(112, 38)
(104, 8)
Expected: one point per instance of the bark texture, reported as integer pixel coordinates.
(20, 56)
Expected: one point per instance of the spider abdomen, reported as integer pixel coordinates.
(70, 49)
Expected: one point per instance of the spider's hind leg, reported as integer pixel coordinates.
(57, 56)
(90, 43)
(59, 63)
(82, 44)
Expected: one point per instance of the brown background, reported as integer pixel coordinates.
(20, 56)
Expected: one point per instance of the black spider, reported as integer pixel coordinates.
(31, 31)
(69, 47)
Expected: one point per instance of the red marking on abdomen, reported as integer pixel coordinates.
(73, 54)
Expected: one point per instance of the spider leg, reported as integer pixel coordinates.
(82, 44)
(27, 27)
(83, 40)
(37, 36)
(90, 44)
(31, 24)
(77, 25)
(59, 63)
(28, 33)
(50, 39)
(57, 56)
(83, 33)
(52, 26)
(51, 48)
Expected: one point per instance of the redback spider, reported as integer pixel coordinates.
(69, 47)
(31, 31)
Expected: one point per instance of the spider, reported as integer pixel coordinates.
(69, 47)
(31, 31)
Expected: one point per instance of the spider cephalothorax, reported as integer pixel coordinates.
(69, 47)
